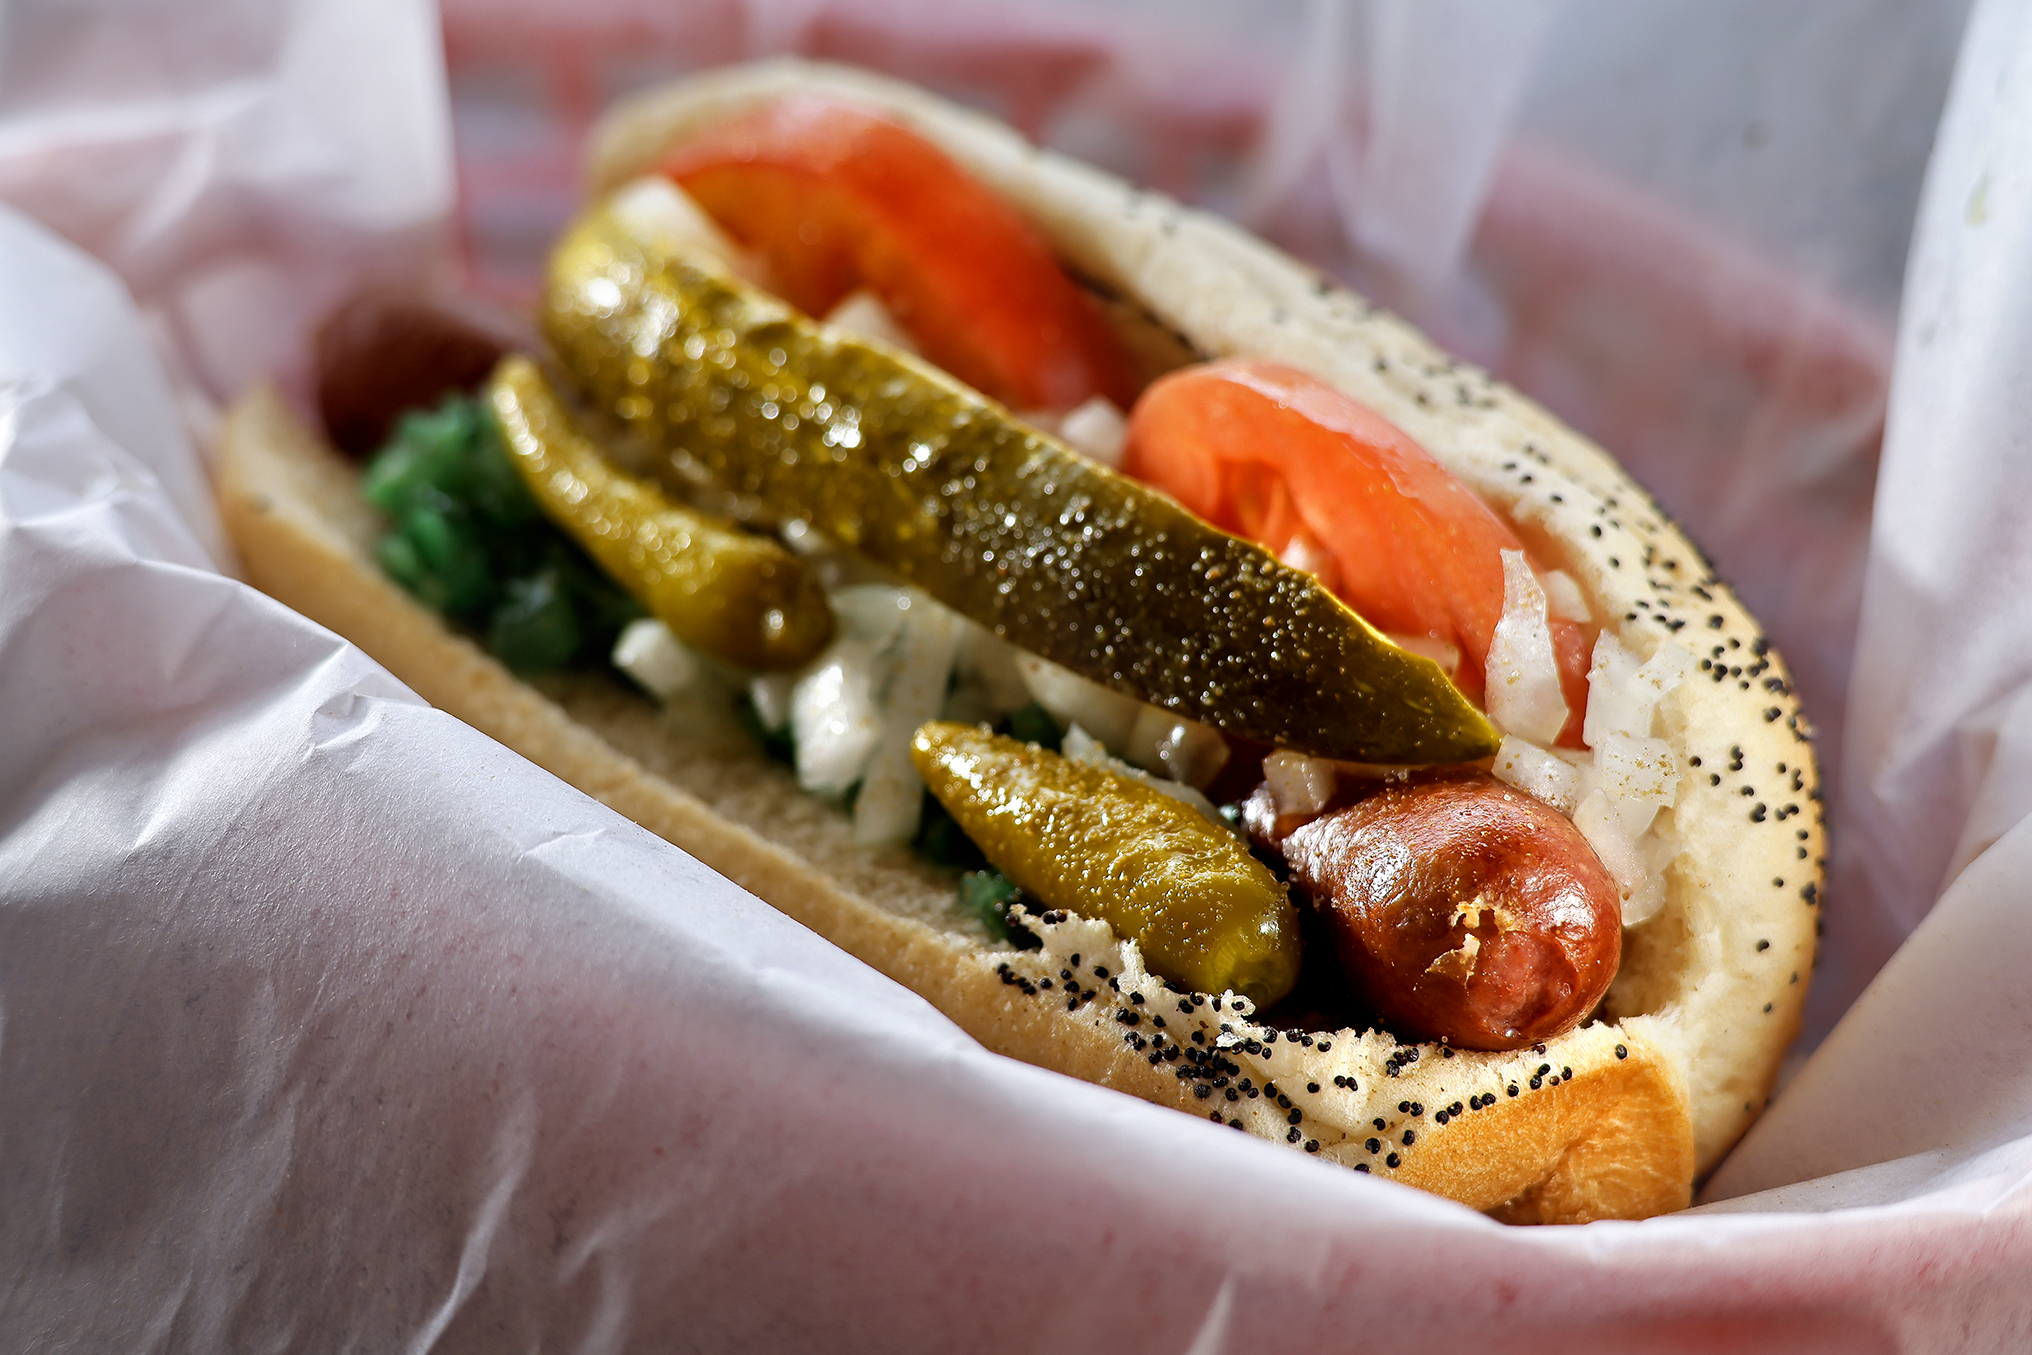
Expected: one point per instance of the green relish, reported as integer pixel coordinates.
(468, 540)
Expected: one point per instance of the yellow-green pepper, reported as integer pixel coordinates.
(729, 592)
(1205, 913)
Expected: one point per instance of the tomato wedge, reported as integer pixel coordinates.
(1280, 457)
(835, 198)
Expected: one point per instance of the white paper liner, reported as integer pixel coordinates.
(326, 1023)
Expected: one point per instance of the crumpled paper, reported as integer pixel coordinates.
(326, 1023)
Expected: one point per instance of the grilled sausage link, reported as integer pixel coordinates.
(1469, 912)
(385, 352)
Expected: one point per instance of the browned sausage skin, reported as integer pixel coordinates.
(1468, 912)
(385, 352)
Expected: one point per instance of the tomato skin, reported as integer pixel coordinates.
(835, 198)
(1270, 453)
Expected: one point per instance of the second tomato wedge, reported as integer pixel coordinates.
(835, 198)
(1277, 456)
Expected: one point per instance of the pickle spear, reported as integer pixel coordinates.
(729, 592)
(1058, 555)
(1204, 912)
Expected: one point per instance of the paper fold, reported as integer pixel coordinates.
(330, 1024)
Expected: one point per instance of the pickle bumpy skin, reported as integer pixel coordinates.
(730, 592)
(1205, 913)
(1056, 554)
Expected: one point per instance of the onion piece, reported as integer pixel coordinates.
(1601, 824)
(1304, 552)
(1108, 715)
(1441, 652)
(988, 662)
(862, 315)
(1643, 902)
(1609, 706)
(1564, 599)
(1523, 674)
(1300, 784)
(891, 801)
(987, 684)
(1623, 695)
(1171, 745)
(664, 217)
(661, 664)
(1097, 430)
(1535, 771)
(770, 694)
(874, 612)
(1665, 669)
(834, 718)
(1637, 767)
(1636, 816)
(1081, 746)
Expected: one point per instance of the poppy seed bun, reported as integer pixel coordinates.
(1612, 1120)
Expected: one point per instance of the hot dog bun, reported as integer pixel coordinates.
(1614, 1119)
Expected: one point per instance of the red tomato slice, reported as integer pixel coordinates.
(1268, 453)
(836, 198)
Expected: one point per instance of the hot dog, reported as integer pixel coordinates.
(1612, 1118)
(1472, 914)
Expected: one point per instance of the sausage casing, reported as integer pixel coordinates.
(1469, 912)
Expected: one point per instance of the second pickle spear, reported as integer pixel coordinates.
(1055, 553)
(1204, 912)
(730, 592)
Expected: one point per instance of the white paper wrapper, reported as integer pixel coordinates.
(327, 1024)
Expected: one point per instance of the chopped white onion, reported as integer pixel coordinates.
(1535, 771)
(664, 217)
(1299, 784)
(660, 663)
(803, 538)
(891, 800)
(862, 315)
(1153, 739)
(1081, 746)
(988, 662)
(1185, 750)
(1637, 767)
(1634, 775)
(874, 612)
(854, 710)
(1659, 848)
(987, 684)
(1623, 695)
(1563, 597)
(1523, 674)
(1446, 655)
(1108, 715)
(1303, 551)
(1635, 814)
(834, 717)
(1601, 824)
(1665, 669)
(1098, 429)
(770, 694)
(1610, 705)
(1644, 901)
